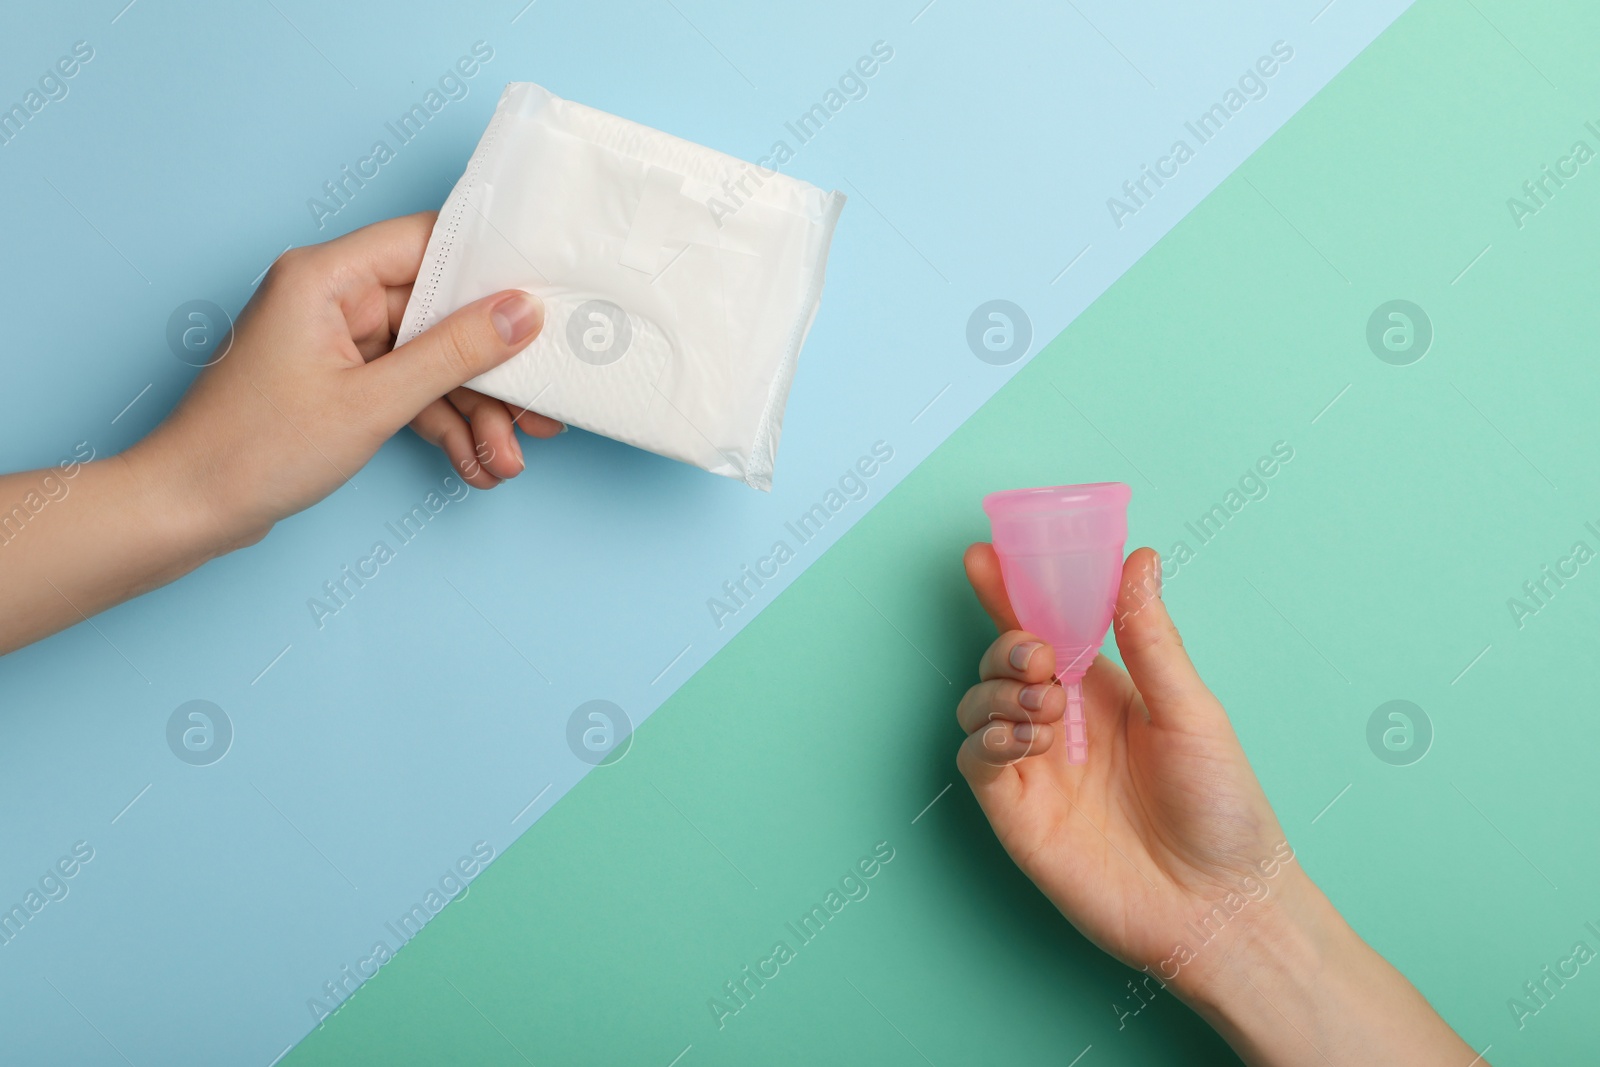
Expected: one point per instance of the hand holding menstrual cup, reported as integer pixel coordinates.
(1060, 553)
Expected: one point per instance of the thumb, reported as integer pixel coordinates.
(1152, 650)
(476, 338)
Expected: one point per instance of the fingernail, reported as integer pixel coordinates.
(1024, 731)
(564, 428)
(1032, 696)
(1022, 653)
(516, 447)
(517, 317)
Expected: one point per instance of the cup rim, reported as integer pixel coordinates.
(1089, 496)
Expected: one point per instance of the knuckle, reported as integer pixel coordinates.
(998, 749)
(997, 659)
(1002, 699)
(996, 737)
(458, 443)
(289, 268)
(967, 711)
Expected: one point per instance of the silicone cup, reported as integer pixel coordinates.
(1060, 552)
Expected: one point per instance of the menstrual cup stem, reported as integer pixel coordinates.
(1077, 727)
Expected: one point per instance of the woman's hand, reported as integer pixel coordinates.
(1163, 849)
(303, 396)
(1165, 821)
(308, 389)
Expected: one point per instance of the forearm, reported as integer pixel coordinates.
(80, 538)
(1303, 988)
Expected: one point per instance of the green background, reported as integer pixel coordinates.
(1378, 568)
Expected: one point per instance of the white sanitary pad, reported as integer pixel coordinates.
(678, 283)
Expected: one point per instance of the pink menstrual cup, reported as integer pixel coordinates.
(1060, 552)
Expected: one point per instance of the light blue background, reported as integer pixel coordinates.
(421, 719)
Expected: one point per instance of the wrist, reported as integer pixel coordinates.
(1296, 940)
(181, 501)
(1270, 993)
(1300, 986)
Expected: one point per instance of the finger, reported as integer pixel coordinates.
(389, 252)
(373, 344)
(478, 337)
(441, 425)
(1153, 651)
(536, 425)
(1020, 656)
(983, 571)
(1107, 692)
(396, 298)
(986, 754)
(494, 439)
(1012, 701)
